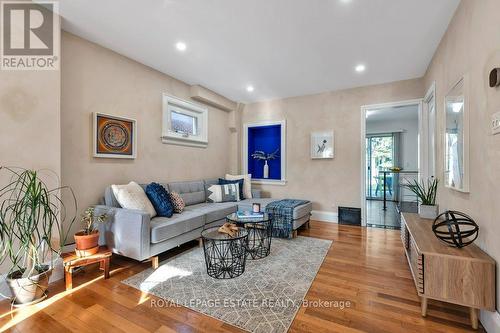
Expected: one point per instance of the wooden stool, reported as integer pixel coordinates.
(72, 261)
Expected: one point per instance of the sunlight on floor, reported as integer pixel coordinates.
(163, 274)
(17, 315)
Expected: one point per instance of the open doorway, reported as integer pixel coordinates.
(391, 138)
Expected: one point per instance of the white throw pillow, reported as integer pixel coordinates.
(132, 196)
(223, 193)
(247, 185)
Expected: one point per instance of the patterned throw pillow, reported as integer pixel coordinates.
(247, 183)
(237, 181)
(160, 199)
(223, 193)
(177, 202)
(132, 196)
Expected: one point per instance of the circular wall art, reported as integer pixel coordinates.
(114, 136)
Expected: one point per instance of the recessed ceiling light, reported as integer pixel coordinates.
(345, 1)
(250, 88)
(360, 68)
(181, 46)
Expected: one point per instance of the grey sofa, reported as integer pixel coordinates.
(133, 234)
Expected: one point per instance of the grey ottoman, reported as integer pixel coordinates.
(301, 214)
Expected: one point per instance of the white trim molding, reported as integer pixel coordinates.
(364, 109)
(269, 182)
(490, 320)
(324, 216)
(244, 152)
(200, 113)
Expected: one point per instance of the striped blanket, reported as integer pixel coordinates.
(282, 216)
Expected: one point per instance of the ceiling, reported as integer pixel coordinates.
(281, 47)
(407, 112)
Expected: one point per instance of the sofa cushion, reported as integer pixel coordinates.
(163, 228)
(214, 211)
(132, 196)
(223, 181)
(298, 212)
(109, 198)
(191, 192)
(223, 193)
(177, 202)
(160, 199)
(247, 183)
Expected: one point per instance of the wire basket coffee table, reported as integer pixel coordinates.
(225, 256)
(260, 230)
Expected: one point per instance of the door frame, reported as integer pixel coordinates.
(378, 135)
(421, 159)
(430, 146)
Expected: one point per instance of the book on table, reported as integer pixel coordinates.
(249, 215)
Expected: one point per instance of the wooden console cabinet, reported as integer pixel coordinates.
(461, 276)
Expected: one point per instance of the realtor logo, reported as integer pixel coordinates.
(30, 32)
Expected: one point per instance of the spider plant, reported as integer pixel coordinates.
(426, 193)
(30, 216)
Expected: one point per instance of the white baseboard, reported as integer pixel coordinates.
(490, 321)
(324, 216)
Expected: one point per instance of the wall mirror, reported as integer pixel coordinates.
(456, 162)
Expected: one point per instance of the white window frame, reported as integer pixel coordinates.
(174, 104)
(244, 154)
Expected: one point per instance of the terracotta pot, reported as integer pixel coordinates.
(29, 290)
(87, 244)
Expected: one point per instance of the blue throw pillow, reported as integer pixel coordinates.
(237, 181)
(160, 199)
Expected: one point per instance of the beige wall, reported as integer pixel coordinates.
(327, 183)
(95, 79)
(471, 46)
(30, 123)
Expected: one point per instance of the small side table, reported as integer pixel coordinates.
(72, 261)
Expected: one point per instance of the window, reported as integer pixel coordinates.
(184, 123)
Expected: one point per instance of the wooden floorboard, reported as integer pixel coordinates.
(364, 266)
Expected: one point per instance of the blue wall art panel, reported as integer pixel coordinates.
(264, 144)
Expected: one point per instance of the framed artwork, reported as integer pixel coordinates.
(322, 145)
(114, 137)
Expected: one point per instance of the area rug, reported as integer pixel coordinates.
(265, 298)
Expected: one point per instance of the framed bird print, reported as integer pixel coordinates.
(322, 145)
(114, 137)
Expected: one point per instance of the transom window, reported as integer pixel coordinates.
(184, 123)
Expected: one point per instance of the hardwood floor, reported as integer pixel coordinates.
(364, 266)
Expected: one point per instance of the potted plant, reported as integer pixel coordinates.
(87, 240)
(30, 215)
(426, 194)
(260, 155)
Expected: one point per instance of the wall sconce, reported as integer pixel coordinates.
(495, 77)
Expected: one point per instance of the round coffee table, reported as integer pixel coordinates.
(225, 256)
(260, 230)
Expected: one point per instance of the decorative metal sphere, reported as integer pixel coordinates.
(457, 229)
